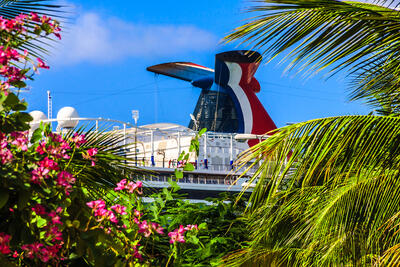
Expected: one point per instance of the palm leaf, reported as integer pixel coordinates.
(336, 194)
(112, 163)
(328, 34)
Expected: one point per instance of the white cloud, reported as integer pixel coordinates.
(99, 40)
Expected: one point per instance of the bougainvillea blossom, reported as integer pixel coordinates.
(5, 243)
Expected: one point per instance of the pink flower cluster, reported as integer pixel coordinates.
(41, 251)
(54, 28)
(130, 187)
(178, 235)
(5, 243)
(65, 179)
(102, 213)
(8, 54)
(78, 139)
(17, 139)
(43, 170)
(18, 22)
(20, 140)
(89, 154)
(56, 147)
(136, 252)
(148, 228)
(53, 234)
(8, 69)
(5, 154)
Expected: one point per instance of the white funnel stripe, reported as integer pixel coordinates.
(235, 75)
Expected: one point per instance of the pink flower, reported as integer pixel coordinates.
(35, 17)
(190, 227)
(21, 17)
(157, 228)
(40, 251)
(89, 155)
(133, 186)
(111, 216)
(41, 149)
(92, 152)
(5, 243)
(78, 139)
(39, 174)
(20, 140)
(56, 138)
(137, 213)
(42, 64)
(32, 249)
(97, 204)
(144, 228)
(12, 73)
(45, 19)
(101, 212)
(120, 185)
(5, 156)
(48, 163)
(119, 209)
(39, 209)
(65, 179)
(54, 218)
(7, 55)
(54, 234)
(177, 235)
(136, 253)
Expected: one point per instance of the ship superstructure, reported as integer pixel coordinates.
(227, 106)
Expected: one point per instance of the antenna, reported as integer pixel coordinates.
(49, 106)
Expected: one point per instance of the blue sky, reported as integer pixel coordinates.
(99, 66)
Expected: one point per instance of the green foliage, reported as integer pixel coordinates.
(327, 189)
(221, 227)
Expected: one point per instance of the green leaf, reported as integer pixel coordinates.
(19, 84)
(178, 174)
(25, 117)
(181, 156)
(4, 195)
(37, 135)
(11, 99)
(41, 222)
(189, 167)
(20, 107)
(202, 131)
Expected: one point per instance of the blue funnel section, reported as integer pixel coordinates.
(204, 83)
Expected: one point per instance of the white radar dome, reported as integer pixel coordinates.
(37, 116)
(65, 116)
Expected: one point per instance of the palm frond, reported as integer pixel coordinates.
(112, 163)
(336, 198)
(327, 34)
(325, 151)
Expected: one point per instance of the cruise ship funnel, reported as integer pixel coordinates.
(228, 101)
